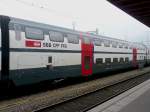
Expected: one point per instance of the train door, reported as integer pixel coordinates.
(86, 55)
(0, 50)
(134, 61)
(4, 23)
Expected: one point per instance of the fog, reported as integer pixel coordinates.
(84, 15)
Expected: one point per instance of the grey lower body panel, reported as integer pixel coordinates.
(35, 75)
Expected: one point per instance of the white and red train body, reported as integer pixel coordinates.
(33, 52)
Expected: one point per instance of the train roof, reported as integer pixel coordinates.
(67, 30)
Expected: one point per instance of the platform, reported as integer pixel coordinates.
(136, 99)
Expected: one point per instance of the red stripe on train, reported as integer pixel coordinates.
(30, 43)
(134, 58)
(86, 51)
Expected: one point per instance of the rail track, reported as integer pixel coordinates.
(91, 100)
(44, 101)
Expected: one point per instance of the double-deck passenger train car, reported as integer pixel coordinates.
(33, 52)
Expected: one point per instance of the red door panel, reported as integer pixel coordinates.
(134, 61)
(86, 56)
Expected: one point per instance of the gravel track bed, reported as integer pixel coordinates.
(91, 100)
(51, 98)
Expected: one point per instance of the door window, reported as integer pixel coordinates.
(87, 62)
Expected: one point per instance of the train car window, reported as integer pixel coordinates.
(99, 61)
(97, 42)
(126, 46)
(50, 59)
(17, 28)
(56, 36)
(87, 62)
(130, 47)
(34, 33)
(126, 59)
(107, 60)
(120, 46)
(107, 43)
(73, 39)
(86, 40)
(115, 60)
(121, 60)
(114, 44)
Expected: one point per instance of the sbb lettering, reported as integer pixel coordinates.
(47, 45)
(55, 45)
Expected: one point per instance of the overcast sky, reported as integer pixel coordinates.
(87, 15)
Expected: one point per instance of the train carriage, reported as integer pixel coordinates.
(33, 52)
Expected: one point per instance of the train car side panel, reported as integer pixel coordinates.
(33, 60)
(40, 52)
(108, 58)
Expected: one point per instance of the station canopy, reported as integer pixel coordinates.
(139, 9)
